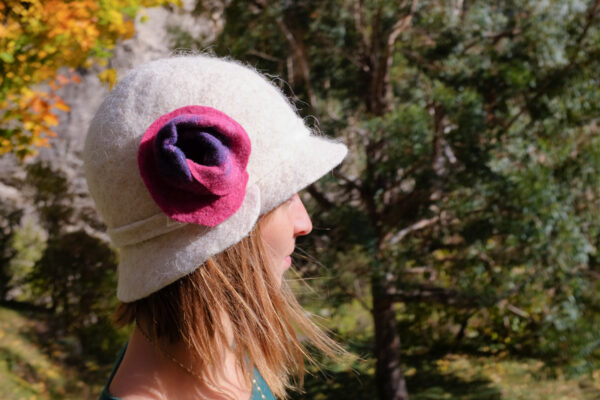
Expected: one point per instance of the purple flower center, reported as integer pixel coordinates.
(184, 139)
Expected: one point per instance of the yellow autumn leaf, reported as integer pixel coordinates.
(108, 77)
(59, 33)
(52, 373)
(50, 119)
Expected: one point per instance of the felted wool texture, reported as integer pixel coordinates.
(285, 158)
(153, 264)
(209, 186)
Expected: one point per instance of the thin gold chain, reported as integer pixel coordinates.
(188, 369)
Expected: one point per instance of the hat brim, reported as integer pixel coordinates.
(312, 157)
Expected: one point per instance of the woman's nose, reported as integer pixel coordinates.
(302, 222)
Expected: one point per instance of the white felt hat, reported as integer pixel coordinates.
(285, 157)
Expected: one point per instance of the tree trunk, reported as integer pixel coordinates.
(389, 377)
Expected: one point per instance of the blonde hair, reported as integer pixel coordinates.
(265, 316)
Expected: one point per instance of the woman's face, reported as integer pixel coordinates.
(279, 230)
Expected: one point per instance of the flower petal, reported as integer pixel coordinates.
(193, 162)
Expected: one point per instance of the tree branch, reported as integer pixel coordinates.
(517, 311)
(424, 223)
(299, 54)
(359, 24)
(356, 297)
(320, 198)
(380, 90)
(264, 56)
(350, 182)
(591, 16)
(432, 294)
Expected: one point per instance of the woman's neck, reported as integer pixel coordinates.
(151, 371)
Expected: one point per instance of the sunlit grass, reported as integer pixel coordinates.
(457, 376)
(465, 377)
(30, 370)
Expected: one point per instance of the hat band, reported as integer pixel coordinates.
(143, 230)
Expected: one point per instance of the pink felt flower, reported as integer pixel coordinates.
(193, 161)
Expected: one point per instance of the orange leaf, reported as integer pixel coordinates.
(62, 80)
(38, 105)
(50, 119)
(61, 105)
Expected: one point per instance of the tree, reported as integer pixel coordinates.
(39, 40)
(76, 269)
(472, 186)
(10, 218)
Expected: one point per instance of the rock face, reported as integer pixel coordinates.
(152, 40)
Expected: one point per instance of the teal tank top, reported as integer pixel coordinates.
(266, 393)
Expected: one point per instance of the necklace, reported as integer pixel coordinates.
(262, 395)
(188, 369)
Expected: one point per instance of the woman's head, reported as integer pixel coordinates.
(167, 205)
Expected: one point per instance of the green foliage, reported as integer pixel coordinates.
(10, 218)
(28, 245)
(51, 195)
(474, 169)
(75, 270)
(34, 365)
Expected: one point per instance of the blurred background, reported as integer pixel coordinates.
(455, 251)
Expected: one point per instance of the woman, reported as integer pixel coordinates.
(194, 164)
